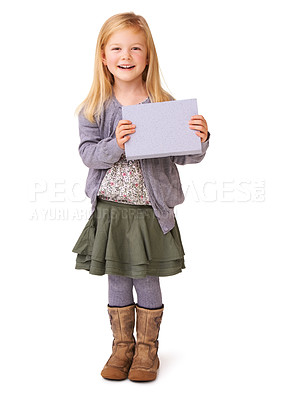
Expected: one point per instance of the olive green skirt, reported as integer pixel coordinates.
(127, 240)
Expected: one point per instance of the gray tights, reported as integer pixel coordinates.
(148, 291)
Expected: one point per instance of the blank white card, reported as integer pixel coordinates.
(162, 129)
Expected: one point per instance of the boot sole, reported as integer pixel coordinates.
(143, 376)
(112, 375)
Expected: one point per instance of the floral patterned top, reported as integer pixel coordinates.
(124, 183)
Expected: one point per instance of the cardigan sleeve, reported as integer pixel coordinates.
(194, 158)
(96, 152)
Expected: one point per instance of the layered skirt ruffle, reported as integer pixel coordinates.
(127, 240)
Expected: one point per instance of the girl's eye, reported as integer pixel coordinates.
(118, 48)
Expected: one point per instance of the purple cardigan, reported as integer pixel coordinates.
(99, 150)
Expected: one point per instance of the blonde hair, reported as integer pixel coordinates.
(103, 80)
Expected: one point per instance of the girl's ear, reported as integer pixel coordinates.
(103, 58)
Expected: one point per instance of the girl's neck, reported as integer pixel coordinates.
(128, 94)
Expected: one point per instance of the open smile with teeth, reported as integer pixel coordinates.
(126, 66)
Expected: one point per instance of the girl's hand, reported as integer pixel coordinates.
(124, 127)
(199, 124)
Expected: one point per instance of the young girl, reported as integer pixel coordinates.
(132, 234)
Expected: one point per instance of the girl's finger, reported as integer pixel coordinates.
(125, 138)
(198, 117)
(198, 127)
(201, 128)
(198, 121)
(127, 131)
(202, 136)
(124, 121)
(126, 128)
(197, 124)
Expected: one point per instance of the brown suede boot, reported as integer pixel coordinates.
(146, 361)
(122, 322)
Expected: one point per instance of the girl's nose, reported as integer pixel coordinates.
(126, 54)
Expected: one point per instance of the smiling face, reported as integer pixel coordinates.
(125, 55)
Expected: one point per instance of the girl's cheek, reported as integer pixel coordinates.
(113, 59)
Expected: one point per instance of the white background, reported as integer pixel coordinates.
(228, 326)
